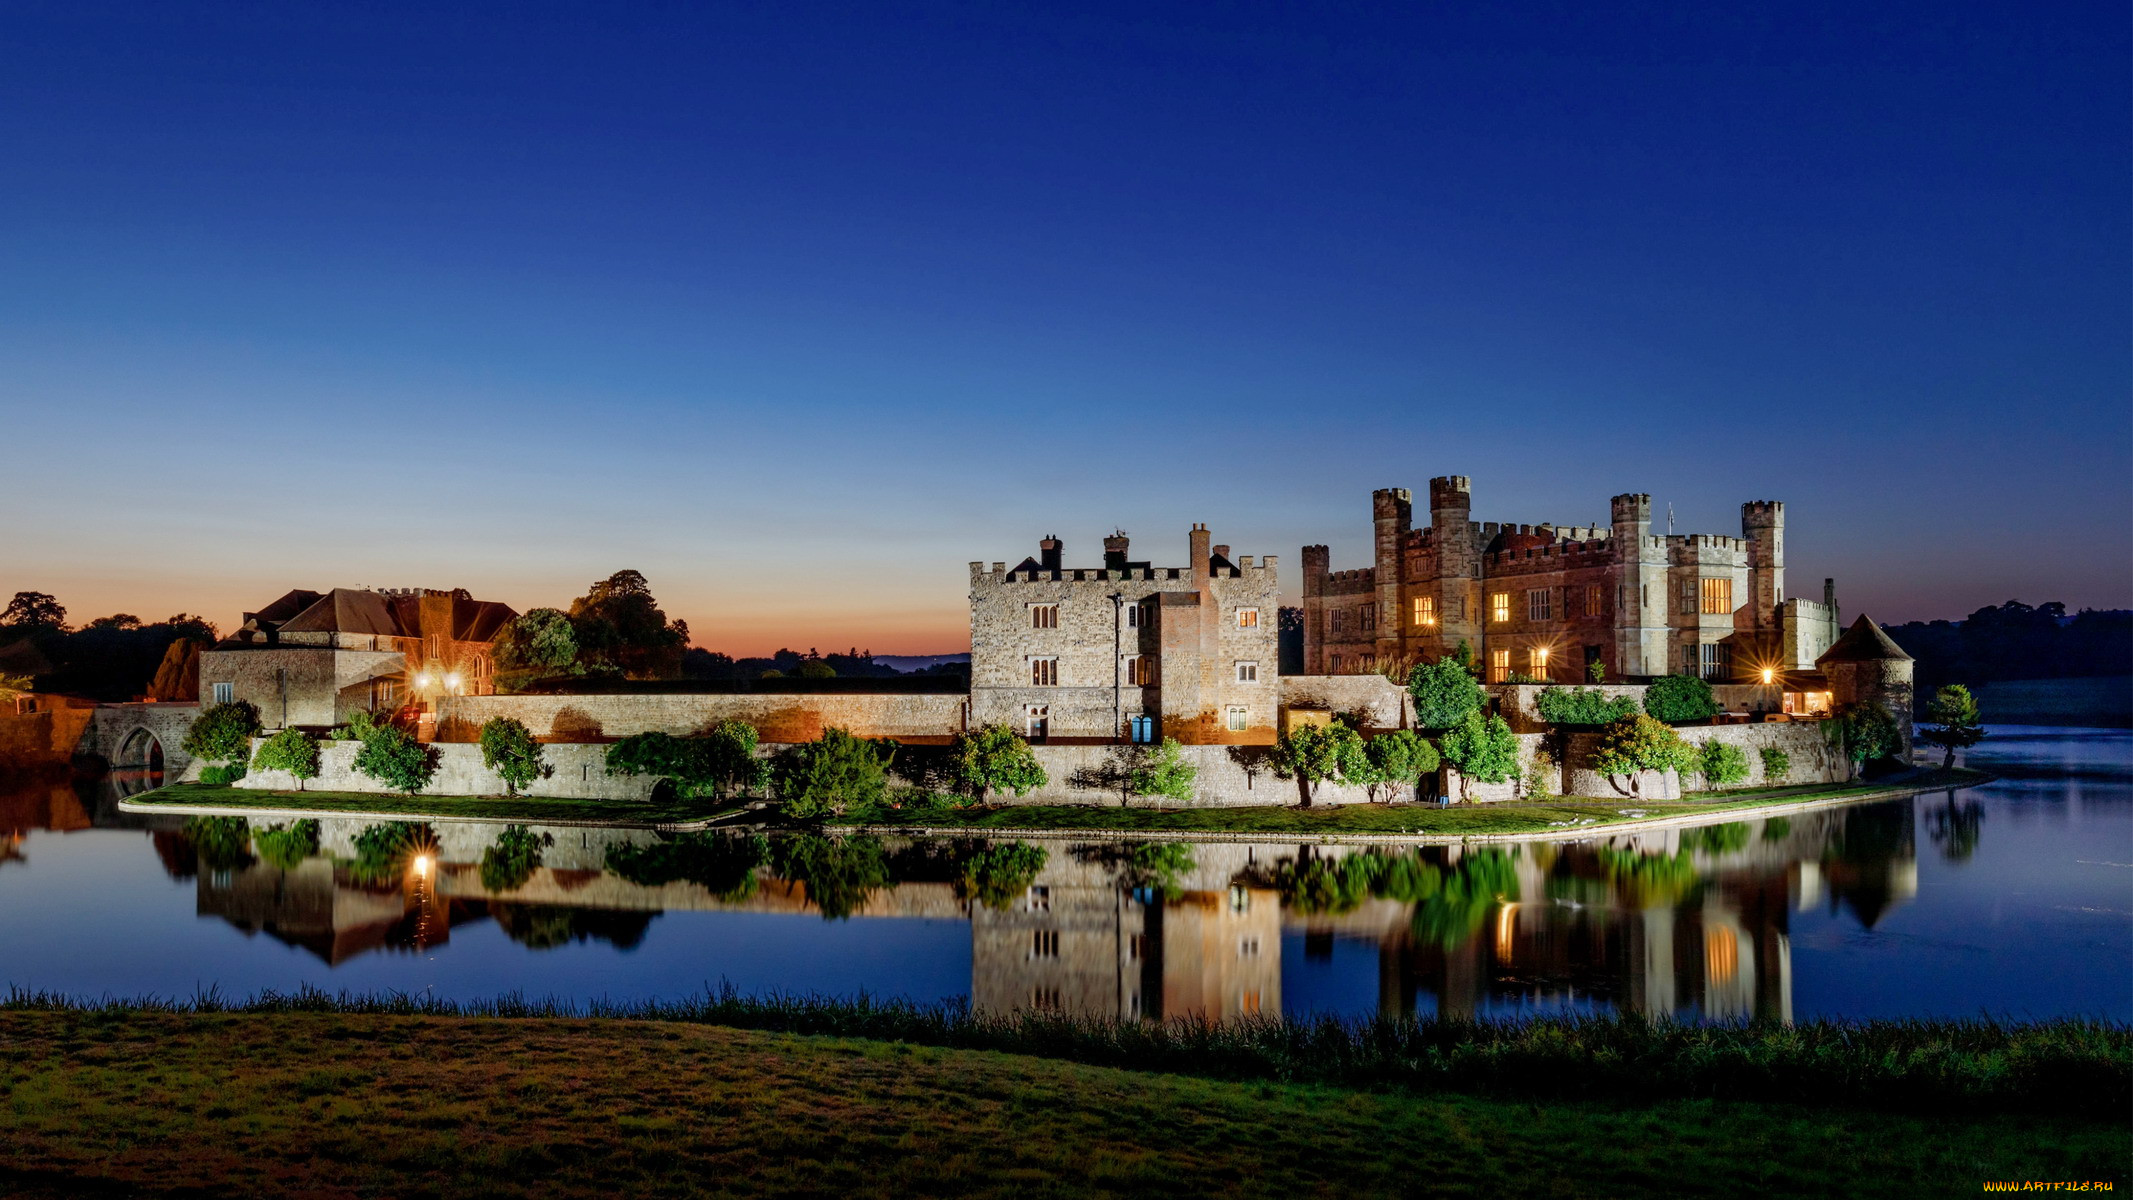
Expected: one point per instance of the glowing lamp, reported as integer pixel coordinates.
(422, 865)
(452, 680)
(1769, 676)
(422, 680)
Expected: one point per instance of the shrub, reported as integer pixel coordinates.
(1313, 754)
(1954, 718)
(509, 863)
(1777, 765)
(223, 733)
(1399, 760)
(1481, 749)
(221, 775)
(396, 760)
(287, 846)
(718, 763)
(1678, 698)
(995, 757)
(1723, 763)
(1596, 671)
(1867, 731)
(1582, 706)
(508, 748)
(1445, 693)
(1162, 771)
(1636, 744)
(291, 750)
(994, 874)
(830, 775)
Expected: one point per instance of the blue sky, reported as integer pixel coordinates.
(799, 308)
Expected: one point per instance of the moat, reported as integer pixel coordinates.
(2014, 898)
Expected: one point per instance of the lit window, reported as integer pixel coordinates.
(1239, 719)
(1240, 899)
(1248, 1003)
(1247, 672)
(1499, 665)
(225, 693)
(1140, 670)
(1425, 610)
(1366, 617)
(1595, 600)
(1538, 607)
(1044, 672)
(1044, 616)
(1499, 607)
(1044, 943)
(1540, 662)
(1718, 596)
(1247, 618)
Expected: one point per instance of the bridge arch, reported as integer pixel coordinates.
(138, 764)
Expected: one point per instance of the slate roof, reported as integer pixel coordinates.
(1863, 642)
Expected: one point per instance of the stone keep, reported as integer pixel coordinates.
(1078, 652)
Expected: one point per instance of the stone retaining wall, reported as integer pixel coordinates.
(777, 717)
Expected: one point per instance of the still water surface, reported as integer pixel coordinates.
(2011, 899)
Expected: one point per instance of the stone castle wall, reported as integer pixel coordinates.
(777, 717)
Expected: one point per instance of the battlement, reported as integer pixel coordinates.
(1764, 509)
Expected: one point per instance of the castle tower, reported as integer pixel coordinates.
(1640, 572)
(1867, 667)
(1317, 564)
(1392, 510)
(1456, 588)
(1762, 525)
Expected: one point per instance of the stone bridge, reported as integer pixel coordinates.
(141, 742)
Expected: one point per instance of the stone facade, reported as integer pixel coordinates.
(1547, 600)
(1080, 652)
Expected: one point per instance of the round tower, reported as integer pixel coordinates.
(1866, 667)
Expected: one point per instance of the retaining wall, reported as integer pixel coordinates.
(580, 774)
(777, 717)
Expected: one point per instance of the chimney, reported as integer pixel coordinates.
(1222, 552)
(1198, 548)
(1115, 551)
(1048, 553)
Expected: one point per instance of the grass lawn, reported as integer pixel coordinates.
(1509, 817)
(332, 1104)
(525, 809)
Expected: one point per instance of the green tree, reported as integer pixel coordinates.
(1482, 749)
(512, 860)
(1722, 763)
(1445, 693)
(1314, 754)
(1679, 698)
(1867, 732)
(1955, 723)
(539, 643)
(1161, 771)
(1399, 762)
(618, 625)
(994, 757)
(815, 668)
(722, 863)
(223, 843)
(396, 760)
(287, 846)
(831, 775)
(1581, 706)
(1636, 744)
(508, 748)
(730, 762)
(223, 733)
(839, 873)
(291, 750)
(996, 874)
(1777, 765)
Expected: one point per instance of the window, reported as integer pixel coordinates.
(1040, 898)
(1366, 617)
(1248, 1003)
(1140, 670)
(1044, 943)
(1500, 607)
(1037, 720)
(1715, 660)
(1248, 946)
(1239, 718)
(1461, 606)
(1335, 665)
(1499, 665)
(1539, 660)
(1595, 601)
(1044, 616)
(1247, 672)
(1688, 596)
(1137, 947)
(1337, 620)
(1133, 616)
(1538, 605)
(1247, 618)
(1718, 595)
(1425, 610)
(1240, 899)
(1044, 672)
(225, 693)
(1045, 999)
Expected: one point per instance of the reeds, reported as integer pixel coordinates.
(2070, 1067)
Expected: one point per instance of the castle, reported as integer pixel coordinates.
(1546, 602)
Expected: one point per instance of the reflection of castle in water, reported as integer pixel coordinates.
(1675, 921)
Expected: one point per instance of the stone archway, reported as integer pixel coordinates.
(138, 765)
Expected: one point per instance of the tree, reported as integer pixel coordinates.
(995, 874)
(396, 760)
(1582, 706)
(177, 677)
(31, 611)
(508, 748)
(1868, 732)
(730, 763)
(512, 860)
(223, 733)
(1162, 771)
(1482, 750)
(539, 643)
(1722, 763)
(833, 774)
(1313, 754)
(1955, 723)
(291, 750)
(815, 668)
(1678, 698)
(1777, 765)
(995, 757)
(1445, 693)
(13, 688)
(720, 762)
(619, 625)
(1399, 761)
(1636, 744)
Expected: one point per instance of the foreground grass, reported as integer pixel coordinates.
(524, 809)
(1509, 817)
(341, 1103)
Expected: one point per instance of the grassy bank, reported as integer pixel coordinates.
(522, 809)
(1460, 820)
(332, 1103)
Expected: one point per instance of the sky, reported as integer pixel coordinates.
(800, 308)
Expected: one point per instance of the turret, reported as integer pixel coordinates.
(1317, 564)
(1392, 510)
(1632, 519)
(1762, 526)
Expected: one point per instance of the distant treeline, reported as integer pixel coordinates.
(2017, 641)
(119, 657)
(852, 664)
